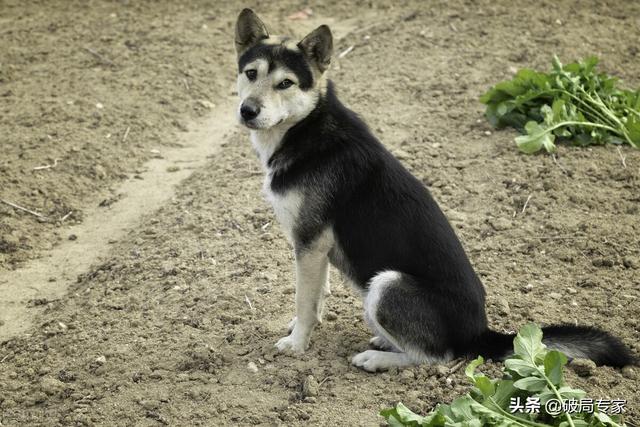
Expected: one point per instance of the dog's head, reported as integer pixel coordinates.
(279, 81)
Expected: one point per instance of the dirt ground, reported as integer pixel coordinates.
(177, 325)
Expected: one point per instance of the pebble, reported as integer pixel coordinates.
(631, 263)
(500, 224)
(310, 387)
(406, 376)
(51, 386)
(630, 372)
(602, 262)
(332, 316)
(527, 288)
(100, 360)
(555, 295)
(503, 306)
(252, 367)
(442, 370)
(583, 367)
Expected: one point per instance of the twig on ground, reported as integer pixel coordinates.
(524, 208)
(98, 56)
(457, 366)
(346, 52)
(13, 205)
(66, 216)
(126, 134)
(623, 159)
(323, 381)
(53, 165)
(4, 358)
(555, 160)
(246, 298)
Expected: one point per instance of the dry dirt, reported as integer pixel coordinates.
(176, 323)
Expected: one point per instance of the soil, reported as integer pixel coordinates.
(174, 320)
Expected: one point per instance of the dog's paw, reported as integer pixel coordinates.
(374, 360)
(293, 344)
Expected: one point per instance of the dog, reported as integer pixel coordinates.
(341, 198)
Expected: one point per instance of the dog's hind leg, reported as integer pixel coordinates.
(402, 315)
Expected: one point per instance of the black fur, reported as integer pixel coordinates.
(383, 218)
(277, 54)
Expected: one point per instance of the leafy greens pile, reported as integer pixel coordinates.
(532, 372)
(572, 102)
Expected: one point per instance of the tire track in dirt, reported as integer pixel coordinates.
(48, 278)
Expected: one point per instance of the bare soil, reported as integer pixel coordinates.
(176, 324)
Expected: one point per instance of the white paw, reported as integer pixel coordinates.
(374, 360)
(292, 343)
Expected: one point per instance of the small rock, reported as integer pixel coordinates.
(407, 375)
(500, 224)
(555, 295)
(572, 291)
(206, 104)
(527, 288)
(99, 172)
(442, 370)
(73, 237)
(630, 372)
(310, 399)
(503, 306)
(252, 367)
(332, 316)
(401, 154)
(51, 386)
(310, 387)
(100, 360)
(631, 263)
(583, 367)
(602, 262)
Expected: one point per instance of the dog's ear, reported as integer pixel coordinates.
(318, 46)
(249, 30)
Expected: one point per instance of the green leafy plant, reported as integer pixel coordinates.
(572, 102)
(532, 374)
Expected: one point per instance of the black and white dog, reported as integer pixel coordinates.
(343, 199)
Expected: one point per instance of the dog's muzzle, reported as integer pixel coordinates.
(249, 110)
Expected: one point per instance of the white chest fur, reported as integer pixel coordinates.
(286, 206)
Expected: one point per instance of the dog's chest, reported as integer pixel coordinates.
(286, 206)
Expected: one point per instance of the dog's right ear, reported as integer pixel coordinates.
(249, 30)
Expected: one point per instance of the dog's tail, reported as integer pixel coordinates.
(574, 341)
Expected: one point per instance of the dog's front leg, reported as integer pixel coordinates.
(312, 267)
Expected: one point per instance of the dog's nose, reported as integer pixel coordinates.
(249, 111)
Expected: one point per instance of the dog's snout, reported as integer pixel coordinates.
(249, 110)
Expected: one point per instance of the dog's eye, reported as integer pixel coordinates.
(286, 83)
(251, 74)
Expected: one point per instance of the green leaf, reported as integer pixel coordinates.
(531, 384)
(553, 363)
(521, 367)
(504, 391)
(528, 343)
(571, 393)
(469, 371)
(536, 139)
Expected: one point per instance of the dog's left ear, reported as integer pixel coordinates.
(318, 46)
(249, 30)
